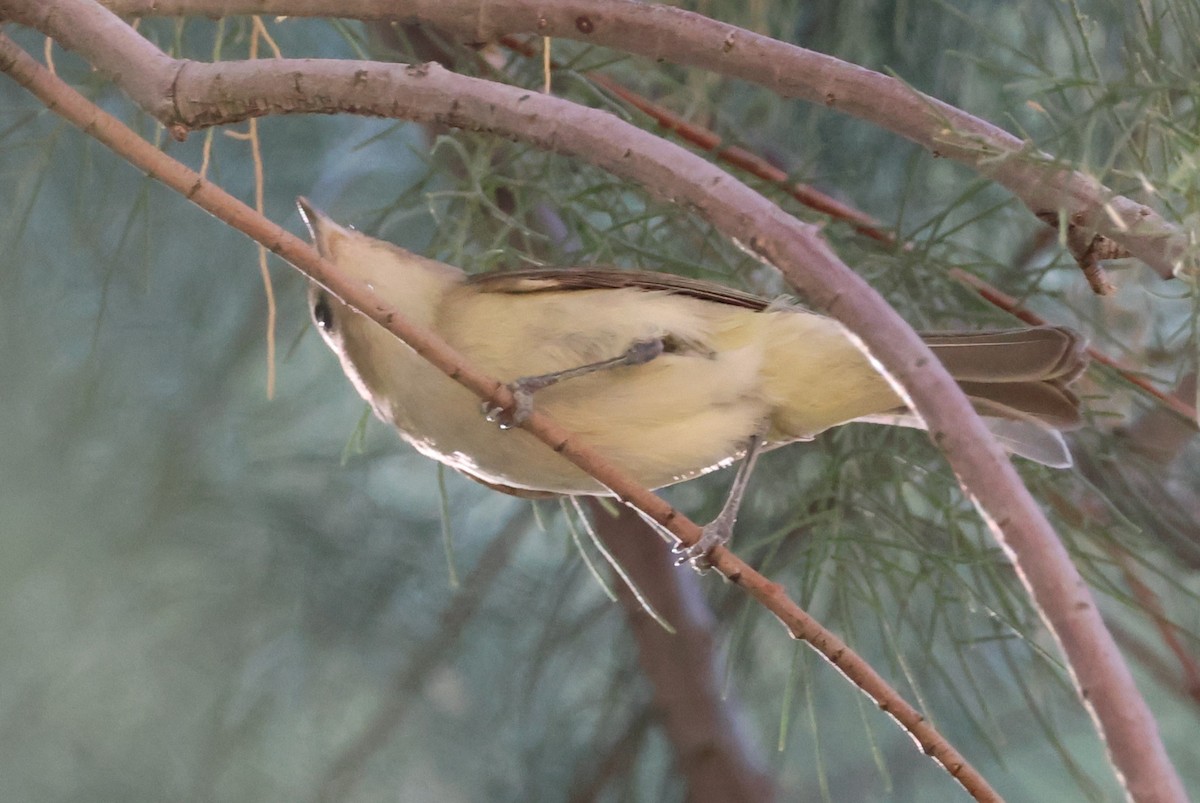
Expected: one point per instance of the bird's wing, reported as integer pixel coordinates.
(547, 280)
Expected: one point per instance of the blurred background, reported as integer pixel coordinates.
(207, 594)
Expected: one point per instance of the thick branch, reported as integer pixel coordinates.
(114, 134)
(141, 70)
(664, 33)
(206, 93)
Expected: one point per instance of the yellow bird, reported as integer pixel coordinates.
(667, 377)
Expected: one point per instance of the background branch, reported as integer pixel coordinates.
(664, 33)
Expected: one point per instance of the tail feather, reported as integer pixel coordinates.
(1048, 402)
(1029, 439)
(1015, 355)
(1018, 373)
(1017, 380)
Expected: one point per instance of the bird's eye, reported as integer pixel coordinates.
(322, 313)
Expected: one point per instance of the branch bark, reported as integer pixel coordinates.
(1041, 182)
(206, 94)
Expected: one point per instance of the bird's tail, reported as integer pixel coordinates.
(1018, 380)
(1018, 373)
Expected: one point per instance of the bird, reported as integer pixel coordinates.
(668, 377)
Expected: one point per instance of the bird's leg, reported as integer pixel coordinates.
(641, 352)
(718, 531)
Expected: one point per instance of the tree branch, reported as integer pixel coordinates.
(741, 158)
(142, 71)
(1041, 182)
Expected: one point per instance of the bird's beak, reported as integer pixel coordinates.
(320, 225)
(311, 215)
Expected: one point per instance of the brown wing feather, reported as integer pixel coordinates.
(1048, 402)
(549, 280)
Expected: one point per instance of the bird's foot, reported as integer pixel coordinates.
(522, 391)
(714, 534)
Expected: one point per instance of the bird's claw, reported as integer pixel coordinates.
(713, 535)
(520, 412)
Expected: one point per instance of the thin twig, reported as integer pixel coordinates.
(260, 31)
(741, 158)
(1089, 249)
(1167, 630)
(1154, 663)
